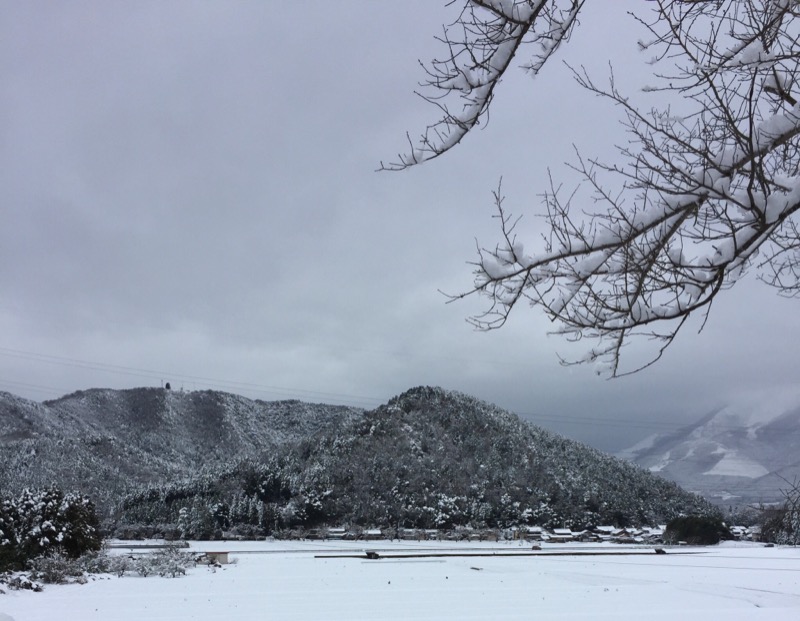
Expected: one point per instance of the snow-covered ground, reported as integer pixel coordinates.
(294, 581)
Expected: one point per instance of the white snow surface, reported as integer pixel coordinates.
(286, 581)
(665, 461)
(734, 464)
(642, 445)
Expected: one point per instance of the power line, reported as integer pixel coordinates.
(545, 420)
(34, 387)
(153, 374)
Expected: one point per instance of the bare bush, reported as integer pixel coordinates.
(782, 524)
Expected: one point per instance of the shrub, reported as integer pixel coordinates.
(120, 565)
(46, 522)
(697, 530)
(56, 569)
(170, 561)
(18, 582)
(60, 569)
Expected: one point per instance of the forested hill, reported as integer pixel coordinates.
(107, 442)
(429, 458)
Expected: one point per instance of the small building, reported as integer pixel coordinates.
(218, 557)
(652, 534)
(561, 535)
(532, 533)
(627, 535)
(523, 532)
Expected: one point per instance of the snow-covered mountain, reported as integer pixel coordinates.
(743, 453)
(428, 458)
(104, 442)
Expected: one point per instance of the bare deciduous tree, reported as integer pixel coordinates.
(703, 190)
(781, 524)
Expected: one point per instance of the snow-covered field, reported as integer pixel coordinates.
(294, 581)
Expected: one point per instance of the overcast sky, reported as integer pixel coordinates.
(189, 195)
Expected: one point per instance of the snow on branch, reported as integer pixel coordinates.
(697, 200)
(480, 46)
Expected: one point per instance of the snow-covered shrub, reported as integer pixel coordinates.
(17, 582)
(56, 569)
(44, 522)
(167, 562)
(120, 565)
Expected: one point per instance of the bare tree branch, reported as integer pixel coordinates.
(481, 45)
(698, 198)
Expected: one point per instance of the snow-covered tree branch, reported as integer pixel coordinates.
(703, 189)
(481, 44)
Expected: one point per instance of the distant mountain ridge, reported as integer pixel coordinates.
(106, 441)
(428, 458)
(740, 454)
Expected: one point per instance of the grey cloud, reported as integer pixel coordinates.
(191, 188)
